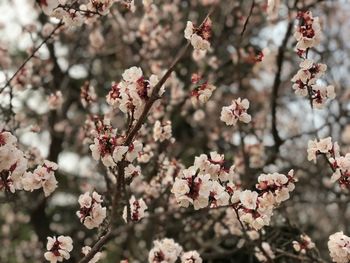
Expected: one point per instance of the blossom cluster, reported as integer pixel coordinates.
(255, 208)
(87, 94)
(131, 94)
(137, 209)
(75, 15)
(304, 244)
(58, 248)
(305, 81)
(237, 111)
(132, 171)
(42, 177)
(162, 131)
(199, 36)
(339, 247)
(339, 164)
(207, 182)
(108, 145)
(13, 166)
(91, 212)
(167, 250)
(308, 32)
(202, 91)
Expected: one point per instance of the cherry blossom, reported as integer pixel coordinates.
(137, 209)
(191, 257)
(308, 32)
(164, 250)
(55, 100)
(74, 17)
(58, 248)
(202, 92)
(87, 94)
(131, 94)
(101, 6)
(91, 212)
(256, 209)
(248, 199)
(236, 111)
(304, 244)
(12, 164)
(162, 131)
(132, 171)
(308, 35)
(218, 195)
(199, 37)
(108, 146)
(339, 247)
(339, 164)
(42, 177)
(192, 189)
(317, 147)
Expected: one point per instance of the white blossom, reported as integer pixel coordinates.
(339, 247)
(248, 199)
(58, 248)
(191, 257)
(91, 212)
(164, 250)
(199, 37)
(236, 111)
(137, 209)
(162, 131)
(55, 100)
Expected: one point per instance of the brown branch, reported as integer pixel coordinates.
(117, 191)
(154, 97)
(248, 17)
(275, 88)
(300, 258)
(97, 247)
(274, 93)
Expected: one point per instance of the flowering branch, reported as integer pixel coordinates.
(128, 140)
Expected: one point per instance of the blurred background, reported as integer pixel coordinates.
(88, 58)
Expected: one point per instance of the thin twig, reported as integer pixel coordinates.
(31, 56)
(247, 20)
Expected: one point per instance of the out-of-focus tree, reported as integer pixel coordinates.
(174, 131)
